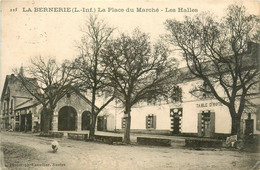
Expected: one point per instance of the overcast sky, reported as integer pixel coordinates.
(25, 35)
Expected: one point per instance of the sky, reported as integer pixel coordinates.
(26, 33)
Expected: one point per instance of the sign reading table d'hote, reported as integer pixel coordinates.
(209, 104)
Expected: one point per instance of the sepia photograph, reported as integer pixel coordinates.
(130, 85)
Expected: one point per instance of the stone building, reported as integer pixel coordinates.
(20, 111)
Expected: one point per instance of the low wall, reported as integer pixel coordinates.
(78, 136)
(153, 141)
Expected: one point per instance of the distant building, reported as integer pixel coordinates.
(19, 109)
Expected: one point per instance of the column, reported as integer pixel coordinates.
(79, 122)
(55, 122)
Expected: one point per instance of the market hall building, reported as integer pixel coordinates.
(20, 111)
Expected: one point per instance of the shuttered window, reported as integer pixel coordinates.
(123, 123)
(151, 121)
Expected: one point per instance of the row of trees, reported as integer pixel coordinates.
(132, 69)
(129, 68)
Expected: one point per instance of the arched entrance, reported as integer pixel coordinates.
(85, 122)
(67, 119)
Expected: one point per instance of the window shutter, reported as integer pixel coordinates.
(154, 122)
(212, 123)
(146, 122)
(123, 123)
(199, 124)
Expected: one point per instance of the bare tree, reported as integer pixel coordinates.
(48, 82)
(222, 54)
(88, 69)
(137, 71)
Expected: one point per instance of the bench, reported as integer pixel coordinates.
(52, 134)
(153, 141)
(78, 136)
(108, 139)
(203, 143)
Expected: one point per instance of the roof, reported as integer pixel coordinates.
(7, 79)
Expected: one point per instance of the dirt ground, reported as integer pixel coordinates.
(26, 151)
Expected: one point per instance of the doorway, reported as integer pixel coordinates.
(67, 119)
(26, 122)
(85, 122)
(206, 124)
(176, 117)
(102, 123)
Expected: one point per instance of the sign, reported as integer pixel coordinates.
(209, 104)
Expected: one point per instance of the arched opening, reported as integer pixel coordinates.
(67, 119)
(85, 122)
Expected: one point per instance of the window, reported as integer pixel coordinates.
(123, 123)
(68, 95)
(4, 108)
(151, 121)
(17, 117)
(258, 119)
(206, 91)
(12, 106)
(176, 94)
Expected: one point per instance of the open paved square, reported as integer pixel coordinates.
(27, 151)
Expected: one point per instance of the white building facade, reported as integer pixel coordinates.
(190, 115)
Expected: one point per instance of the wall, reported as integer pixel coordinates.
(191, 107)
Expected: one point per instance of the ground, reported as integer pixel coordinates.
(28, 151)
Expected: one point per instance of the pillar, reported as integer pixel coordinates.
(55, 122)
(79, 122)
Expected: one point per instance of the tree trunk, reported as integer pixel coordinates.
(46, 123)
(93, 116)
(235, 130)
(127, 126)
(92, 127)
(47, 115)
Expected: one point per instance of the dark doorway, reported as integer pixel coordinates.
(206, 124)
(207, 128)
(176, 116)
(67, 119)
(22, 127)
(26, 122)
(85, 120)
(176, 121)
(102, 123)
